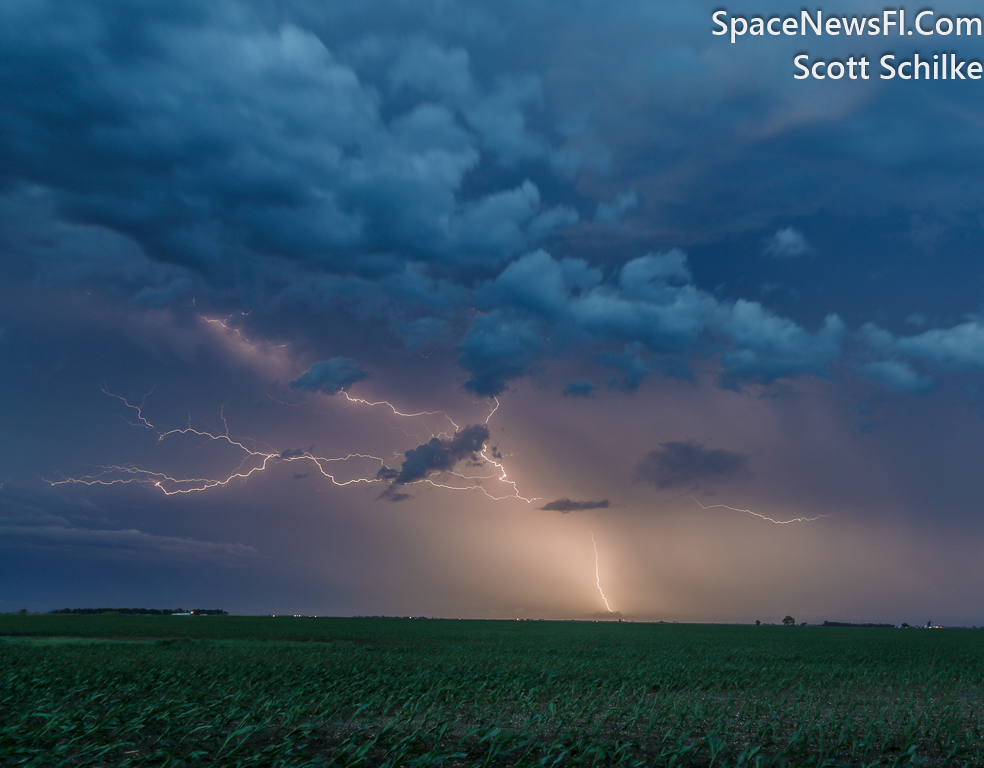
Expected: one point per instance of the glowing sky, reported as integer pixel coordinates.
(484, 309)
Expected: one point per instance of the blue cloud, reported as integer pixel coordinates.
(787, 243)
(898, 376)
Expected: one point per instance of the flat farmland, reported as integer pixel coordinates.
(113, 690)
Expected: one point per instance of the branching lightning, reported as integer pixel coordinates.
(478, 487)
(137, 408)
(410, 415)
(494, 409)
(598, 574)
(757, 514)
(261, 460)
(224, 324)
(502, 478)
(255, 459)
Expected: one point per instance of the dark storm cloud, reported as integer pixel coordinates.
(568, 505)
(612, 212)
(499, 347)
(767, 347)
(298, 156)
(318, 156)
(331, 376)
(960, 348)
(688, 465)
(911, 362)
(438, 455)
(653, 307)
(208, 134)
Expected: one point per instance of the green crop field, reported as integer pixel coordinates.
(114, 690)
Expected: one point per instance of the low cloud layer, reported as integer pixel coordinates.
(56, 523)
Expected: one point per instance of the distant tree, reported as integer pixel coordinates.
(789, 621)
(24, 610)
(802, 623)
(758, 623)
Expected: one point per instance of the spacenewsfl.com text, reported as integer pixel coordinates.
(945, 65)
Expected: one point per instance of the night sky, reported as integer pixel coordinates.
(430, 308)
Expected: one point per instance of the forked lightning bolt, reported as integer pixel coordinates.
(757, 514)
(598, 574)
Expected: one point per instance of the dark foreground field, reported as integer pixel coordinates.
(239, 691)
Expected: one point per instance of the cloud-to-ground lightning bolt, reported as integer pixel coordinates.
(598, 574)
(757, 514)
(255, 460)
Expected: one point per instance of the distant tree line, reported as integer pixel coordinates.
(143, 611)
(849, 624)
